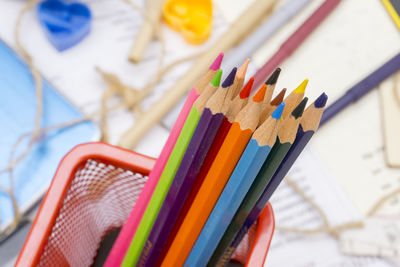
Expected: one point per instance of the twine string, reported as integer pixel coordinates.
(334, 231)
(130, 99)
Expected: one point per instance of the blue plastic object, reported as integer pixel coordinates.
(32, 175)
(65, 24)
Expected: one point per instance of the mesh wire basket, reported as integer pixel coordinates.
(93, 191)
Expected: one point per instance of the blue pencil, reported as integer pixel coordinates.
(235, 190)
(308, 126)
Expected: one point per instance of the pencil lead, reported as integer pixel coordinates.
(279, 98)
(217, 78)
(320, 102)
(243, 69)
(247, 89)
(217, 62)
(274, 77)
(260, 94)
(229, 80)
(278, 111)
(298, 111)
(302, 87)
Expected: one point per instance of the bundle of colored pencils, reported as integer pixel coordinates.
(226, 155)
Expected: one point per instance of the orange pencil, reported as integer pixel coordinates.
(231, 150)
(239, 79)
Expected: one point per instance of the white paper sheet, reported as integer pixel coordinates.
(354, 40)
(294, 250)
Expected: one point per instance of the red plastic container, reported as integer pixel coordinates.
(94, 189)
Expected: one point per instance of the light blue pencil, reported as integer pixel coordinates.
(235, 190)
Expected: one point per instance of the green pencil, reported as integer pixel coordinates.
(168, 174)
(286, 135)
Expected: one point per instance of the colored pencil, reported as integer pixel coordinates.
(232, 112)
(202, 138)
(239, 101)
(130, 138)
(235, 107)
(235, 190)
(292, 100)
(271, 83)
(267, 111)
(242, 26)
(308, 125)
(122, 243)
(239, 78)
(264, 32)
(231, 150)
(393, 8)
(286, 136)
(362, 88)
(163, 185)
(295, 40)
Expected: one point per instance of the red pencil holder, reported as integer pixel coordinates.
(93, 191)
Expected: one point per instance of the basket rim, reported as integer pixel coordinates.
(47, 214)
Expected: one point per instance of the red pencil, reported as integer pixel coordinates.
(238, 102)
(295, 40)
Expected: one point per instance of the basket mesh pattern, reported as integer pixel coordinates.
(100, 198)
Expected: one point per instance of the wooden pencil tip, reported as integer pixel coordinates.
(229, 80)
(243, 69)
(247, 89)
(302, 87)
(320, 102)
(217, 78)
(260, 94)
(274, 77)
(279, 98)
(278, 111)
(298, 111)
(217, 62)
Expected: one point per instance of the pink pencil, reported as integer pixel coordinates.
(124, 239)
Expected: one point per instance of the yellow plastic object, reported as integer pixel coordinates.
(192, 18)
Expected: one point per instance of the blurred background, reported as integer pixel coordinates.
(351, 164)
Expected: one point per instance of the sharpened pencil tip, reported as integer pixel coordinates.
(217, 62)
(274, 77)
(217, 78)
(260, 94)
(246, 89)
(320, 102)
(229, 80)
(298, 111)
(278, 111)
(279, 98)
(302, 87)
(241, 73)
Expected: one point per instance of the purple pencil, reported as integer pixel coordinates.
(362, 88)
(202, 138)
